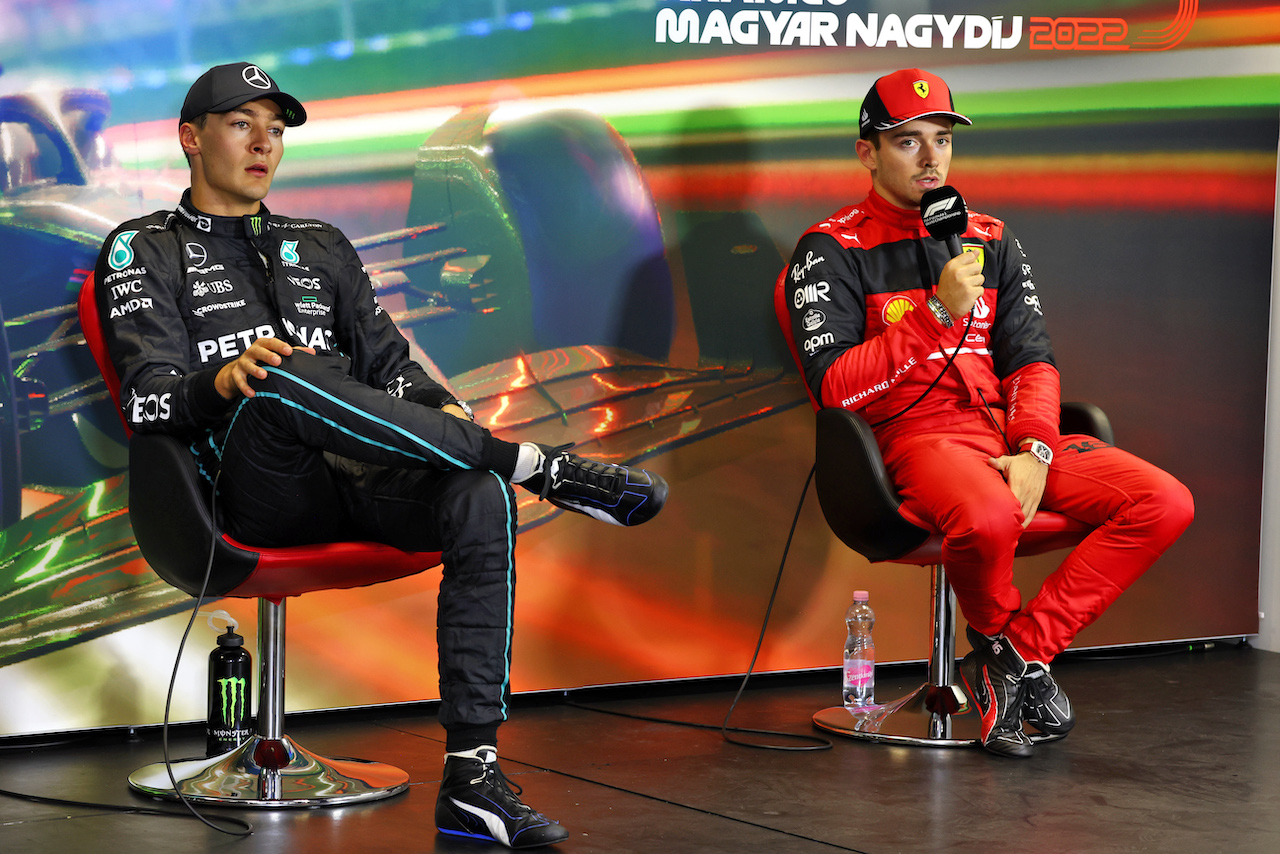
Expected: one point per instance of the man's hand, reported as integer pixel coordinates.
(234, 377)
(455, 410)
(1026, 477)
(961, 284)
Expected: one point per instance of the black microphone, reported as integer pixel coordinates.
(946, 216)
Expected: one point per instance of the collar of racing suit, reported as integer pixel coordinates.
(256, 228)
(248, 226)
(894, 215)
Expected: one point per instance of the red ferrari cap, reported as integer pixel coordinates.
(902, 96)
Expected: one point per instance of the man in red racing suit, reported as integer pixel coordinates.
(950, 362)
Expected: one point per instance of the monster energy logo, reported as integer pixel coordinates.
(233, 691)
(255, 222)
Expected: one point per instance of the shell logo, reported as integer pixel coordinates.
(895, 308)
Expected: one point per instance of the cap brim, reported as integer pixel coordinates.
(294, 113)
(964, 120)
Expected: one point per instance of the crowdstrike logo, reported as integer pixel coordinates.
(833, 27)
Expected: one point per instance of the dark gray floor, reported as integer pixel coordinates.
(1171, 753)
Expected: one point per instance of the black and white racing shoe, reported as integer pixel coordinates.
(993, 674)
(619, 495)
(476, 801)
(1047, 707)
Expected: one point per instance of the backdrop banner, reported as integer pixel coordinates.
(576, 212)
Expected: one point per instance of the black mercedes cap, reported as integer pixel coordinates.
(225, 87)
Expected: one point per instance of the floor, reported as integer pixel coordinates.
(1175, 752)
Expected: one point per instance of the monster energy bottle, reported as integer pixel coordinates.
(230, 667)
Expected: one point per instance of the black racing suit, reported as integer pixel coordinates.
(349, 443)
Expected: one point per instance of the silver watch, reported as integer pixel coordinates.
(462, 404)
(939, 311)
(1040, 451)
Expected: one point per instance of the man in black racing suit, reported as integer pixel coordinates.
(259, 338)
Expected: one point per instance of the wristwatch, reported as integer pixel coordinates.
(939, 311)
(1040, 451)
(462, 404)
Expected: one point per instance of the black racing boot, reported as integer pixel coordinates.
(1047, 707)
(993, 674)
(619, 495)
(476, 800)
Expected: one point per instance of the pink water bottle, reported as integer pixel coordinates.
(859, 654)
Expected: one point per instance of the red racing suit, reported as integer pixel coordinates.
(944, 400)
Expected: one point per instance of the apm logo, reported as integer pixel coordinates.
(1069, 33)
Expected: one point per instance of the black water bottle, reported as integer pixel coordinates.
(230, 678)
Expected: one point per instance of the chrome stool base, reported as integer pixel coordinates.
(929, 716)
(937, 714)
(272, 773)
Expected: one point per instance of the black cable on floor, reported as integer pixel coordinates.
(40, 799)
(815, 742)
(1157, 651)
(168, 763)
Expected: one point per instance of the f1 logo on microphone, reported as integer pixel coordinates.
(939, 207)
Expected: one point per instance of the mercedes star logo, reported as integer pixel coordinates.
(256, 77)
(197, 254)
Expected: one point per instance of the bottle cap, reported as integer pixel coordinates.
(861, 596)
(230, 638)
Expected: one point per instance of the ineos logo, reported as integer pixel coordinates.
(256, 77)
(150, 408)
(197, 254)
